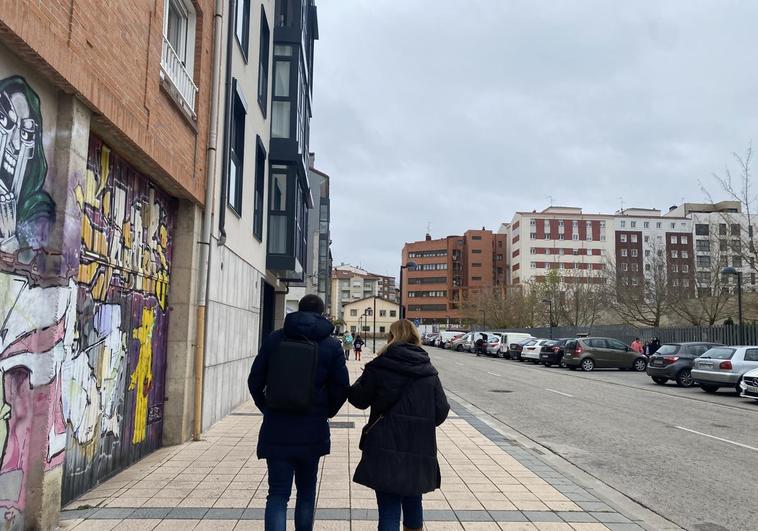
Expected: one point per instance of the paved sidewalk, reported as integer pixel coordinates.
(488, 482)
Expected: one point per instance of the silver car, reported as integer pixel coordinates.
(749, 385)
(724, 367)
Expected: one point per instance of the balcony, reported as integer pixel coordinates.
(173, 69)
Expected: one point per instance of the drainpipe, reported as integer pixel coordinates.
(227, 123)
(205, 239)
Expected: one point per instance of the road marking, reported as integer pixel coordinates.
(718, 438)
(458, 363)
(494, 373)
(559, 393)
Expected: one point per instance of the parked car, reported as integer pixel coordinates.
(724, 367)
(515, 349)
(506, 338)
(588, 353)
(458, 343)
(749, 385)
(493, 343)
(552, 352)
(447, 337)
(429, 338)
(532, 351)
(673, 361)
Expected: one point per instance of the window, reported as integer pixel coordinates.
(723, 245)
(658, 225)
(735, 229)
(353, 313)
(646, 225)
(704, 261)
(533, 264)
(675, 268)
(674, 240)
(532, 222)
(647, 252)
(623, 238)
(382, 329)
(280, 105)
(684, 240)
(635, 253)
(622, 224)
(685, 269)
(476, 278)
(635, 267)
(278, 223)
(633, 224)
(260, 175)
(476, 264)
(635, 282)
(751, 354)
(736, 246)
(625, 267)
(674, 254)
(703, 245)
(263, 64)
(701, 229)
(242, 26)
(737, 261)
(382, 313)
(722, 229)
(476, 237)
(685, 254)
(236, 150)
(476, 251)
(647, 238)
(624, 253)
(532, 235)
(633, 238)
(393, 313)
(675, 282)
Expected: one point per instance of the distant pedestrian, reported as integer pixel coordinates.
(637, 345)
(728, 321)
(399, 443)
(298, 381)
(655, 344)
(358, 346)
(347, 344)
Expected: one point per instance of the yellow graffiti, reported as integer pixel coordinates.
(142, 377)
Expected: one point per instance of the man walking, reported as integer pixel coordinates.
(298, 381)
(637, 345)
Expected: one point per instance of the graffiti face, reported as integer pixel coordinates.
(24, 205)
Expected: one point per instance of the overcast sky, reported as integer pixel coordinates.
(459, 113)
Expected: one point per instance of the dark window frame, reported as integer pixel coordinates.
(236, 153)
(263, 63)
(259, 197)
(243, 40)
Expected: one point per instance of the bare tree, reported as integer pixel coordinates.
(583, 300)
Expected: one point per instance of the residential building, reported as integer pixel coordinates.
(450, 269)
(102, 189)
(723, 236)
(244, 297)
(350, 283)
(565, 239)
(645, 241)
(370, 315)
(319, 258)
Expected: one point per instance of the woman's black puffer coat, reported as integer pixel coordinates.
(407, 404)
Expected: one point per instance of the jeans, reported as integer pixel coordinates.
(389, 511)
(280, 474)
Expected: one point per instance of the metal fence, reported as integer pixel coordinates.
(728, 335)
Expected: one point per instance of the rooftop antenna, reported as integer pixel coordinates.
(621, 199)
(551, 199)
(429, 227)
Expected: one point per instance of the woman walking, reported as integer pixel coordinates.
(399, 443)
(347, 344)
(358, 346)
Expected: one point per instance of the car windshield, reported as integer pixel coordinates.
(667, 349)
(551, 343)
(719, 353)
(527, 342)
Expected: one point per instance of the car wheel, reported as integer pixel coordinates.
(588, 364)
(563, 365)
(640, 364)
(684, 378)
(737, 387)
(547, 364)
(500, 354)
(709, 388)
(660, 380)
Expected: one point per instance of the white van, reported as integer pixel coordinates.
(507, 339)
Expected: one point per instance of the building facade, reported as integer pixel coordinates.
(448, 270)
(369, 316)
(102, 184)
(350, 283)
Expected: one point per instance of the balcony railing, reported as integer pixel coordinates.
(173, 68)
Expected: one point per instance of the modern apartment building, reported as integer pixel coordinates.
(102, 189)
(645, 241)
(722, 235)
(450, 269)
(566, 239)
(350, 283)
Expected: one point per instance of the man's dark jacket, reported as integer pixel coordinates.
(400, 449)
(301, 436)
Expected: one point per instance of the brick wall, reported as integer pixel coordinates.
(108, 54)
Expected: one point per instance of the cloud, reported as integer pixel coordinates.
(460, 113)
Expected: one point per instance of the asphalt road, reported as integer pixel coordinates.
(630, 433)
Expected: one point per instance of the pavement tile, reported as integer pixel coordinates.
(614, 518)
(516, 526)
(508, 516)
(97, 525)
(542, 516)
(177, 525)
(137, 525)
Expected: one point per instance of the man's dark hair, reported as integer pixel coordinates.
(311, 303)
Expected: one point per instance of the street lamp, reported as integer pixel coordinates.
(367, 312)
(410, 265)
(733, 271)
(374, 347)
(550, 315)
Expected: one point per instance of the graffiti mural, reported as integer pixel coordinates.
(114, 383)
(37, 310)
(26, 210)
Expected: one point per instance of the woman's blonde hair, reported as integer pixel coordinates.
(402, 331)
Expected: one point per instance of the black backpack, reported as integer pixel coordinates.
(290, 385)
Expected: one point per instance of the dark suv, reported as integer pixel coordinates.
(673, 361)
(588, 353)
(552, 352)
(515, 349)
